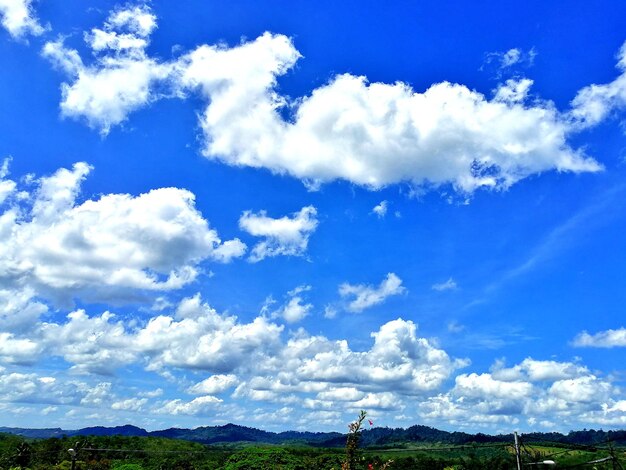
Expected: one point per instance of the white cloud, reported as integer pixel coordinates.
(49, 409)
(602, 339)
(197, 406)
(399, 371)
(565, 391)
(587, 389)
(17, 350)
(594, 102)
(510, 57)
(130, 404)
(152, 393)
(287, 236)
(398, 360)
(536, 371)
(513, 91)
(18, 18)
(373, 134)
(341, 394)
(101, 394)
(509, 61)
(202, 339)
(195, 337)
(295, 307)
(294, 310)
(316, 373)
(330, 312)
(122, 77)
(450, 284)
(381, 209)
(370, 134)
(378, 401)
(18, 311)
(7, 187)
(486, 387)
(105, 248)
(214, 385)
(92, 344)
(18, 387)
(365, 296)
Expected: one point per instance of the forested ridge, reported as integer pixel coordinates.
(233, 447)
(232, 433)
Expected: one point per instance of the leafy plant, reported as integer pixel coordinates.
(353, 459)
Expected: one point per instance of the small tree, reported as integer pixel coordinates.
(352, 443)
(23, 455)
(352, 446)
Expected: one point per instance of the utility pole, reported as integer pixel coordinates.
(72, 452)
(614, 459)
(518, 456)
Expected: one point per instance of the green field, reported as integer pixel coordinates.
(151, 453)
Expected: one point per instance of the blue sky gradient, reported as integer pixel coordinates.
(278, 213)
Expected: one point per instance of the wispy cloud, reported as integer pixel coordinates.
(381, 209)
(566, 235)
(365, 296)
(602, 339)
(450, 284)
(286, 236)
(509, 62)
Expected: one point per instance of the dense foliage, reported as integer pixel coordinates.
(101, 452)
(378, 436)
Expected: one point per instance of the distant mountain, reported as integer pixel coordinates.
(35, 433)
(126, 430)
(376, 437)
(219, 434)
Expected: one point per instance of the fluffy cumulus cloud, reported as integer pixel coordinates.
(593, 103)
(530, 390)
(333, 376)
(18, 18)
(362, 296)
(294, 310)
(370, 134)
(286, 235)
(129, 404)
(17, 350)
(19, 387)
(7, 187)
(103, 248)
(19, 311)
(200, 338)
(120, 79)
(602, 339)
(247, 360)
(243, 362)
(194, 337)
(295, 307)
(398, 356)
(197, 407)
(538, 371)
(214, 385)
(92, 344)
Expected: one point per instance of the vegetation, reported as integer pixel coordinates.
(422, 449)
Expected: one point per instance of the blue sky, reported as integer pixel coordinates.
(277, 214)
